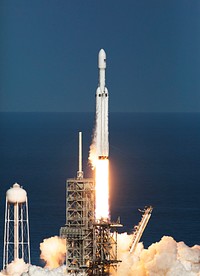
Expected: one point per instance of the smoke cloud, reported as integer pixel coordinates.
(53, 251)
(92, 155)
(15, 268)
(93, 151)
(164, 258)
(38, 271)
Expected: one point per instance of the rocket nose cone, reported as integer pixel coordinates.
(102, 52)
(102, 59)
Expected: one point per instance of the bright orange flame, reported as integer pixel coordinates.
(102, 189)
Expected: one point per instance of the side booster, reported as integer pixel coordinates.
(102, 110)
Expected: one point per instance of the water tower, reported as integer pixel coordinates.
(16, 231)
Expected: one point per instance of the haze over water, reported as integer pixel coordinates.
(154, 160)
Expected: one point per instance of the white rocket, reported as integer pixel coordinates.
(102, 145)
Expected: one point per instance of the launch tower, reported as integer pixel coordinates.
(78, 230)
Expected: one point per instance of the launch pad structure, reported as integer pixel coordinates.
(91, 245)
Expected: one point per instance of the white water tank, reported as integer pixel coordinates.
(16, 194)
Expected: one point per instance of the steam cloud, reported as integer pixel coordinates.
(93, 154)
(16, 268)
(164, 258)
(93, 157)
(53, 251)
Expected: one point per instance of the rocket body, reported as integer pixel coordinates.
(102, 144)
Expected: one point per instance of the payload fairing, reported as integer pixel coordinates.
(102, 110)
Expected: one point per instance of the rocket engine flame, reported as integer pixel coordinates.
(102, 189)
(101, 167)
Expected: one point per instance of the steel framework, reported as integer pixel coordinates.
(104, 247)
(78, 230)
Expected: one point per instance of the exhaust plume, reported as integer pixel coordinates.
(93, 152)
(53, 251)
(39, 271)
(15, 268)
(164, 258)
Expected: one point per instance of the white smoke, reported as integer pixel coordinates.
(93, 156)
(164, 258)
(93, 153)
(53, 251)
(19, 268)
(15, 268)
(38, 271)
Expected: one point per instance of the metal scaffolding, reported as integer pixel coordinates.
(78, 230)
(104, 247)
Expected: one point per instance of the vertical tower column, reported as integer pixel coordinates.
(16, 231)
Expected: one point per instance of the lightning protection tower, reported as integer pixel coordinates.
(16, 231)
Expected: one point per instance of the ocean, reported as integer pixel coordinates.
(154, 160)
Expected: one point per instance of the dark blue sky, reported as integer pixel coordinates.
(48, 54)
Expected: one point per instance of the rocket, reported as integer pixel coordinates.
(102, 144)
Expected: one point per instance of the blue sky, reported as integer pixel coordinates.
(48, 54)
